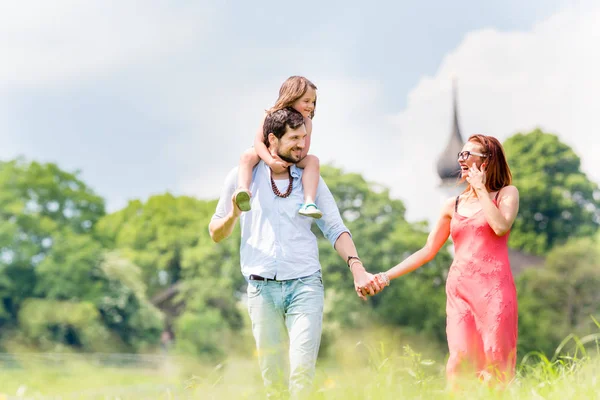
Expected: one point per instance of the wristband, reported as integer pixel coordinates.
(352, 258)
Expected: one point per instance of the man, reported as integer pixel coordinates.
(279, 257)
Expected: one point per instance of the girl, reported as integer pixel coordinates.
(301, 94)
(481, 305)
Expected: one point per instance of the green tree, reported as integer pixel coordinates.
(38, 202)
(193, 280)
(77, 272)
(58, 285)
(69, 269)
(383, 238)
(124, 305)
(52, 325)
(157, 234)
(557, 200)
(559, 298)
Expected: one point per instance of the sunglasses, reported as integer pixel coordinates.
(464, 155)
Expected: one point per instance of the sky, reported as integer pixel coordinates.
(155, 96)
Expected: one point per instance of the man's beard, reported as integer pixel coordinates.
(287, 159)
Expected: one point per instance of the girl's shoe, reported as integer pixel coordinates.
(242, 199)
(310, 210)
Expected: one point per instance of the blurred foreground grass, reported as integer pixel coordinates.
(369, 368)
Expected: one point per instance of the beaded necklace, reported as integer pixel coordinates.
(276, 190)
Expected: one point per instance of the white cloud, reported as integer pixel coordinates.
(68, 54)
(66, 40)
(219, 129)
(208, 96)
(508, 82)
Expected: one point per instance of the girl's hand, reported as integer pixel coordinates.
(476, 177)
(278, 165)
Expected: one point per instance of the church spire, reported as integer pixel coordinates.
(447, 166)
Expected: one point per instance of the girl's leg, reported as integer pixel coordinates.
(310, 182)
(247, 162)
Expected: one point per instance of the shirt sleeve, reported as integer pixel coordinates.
(224, 205)
(331, 224)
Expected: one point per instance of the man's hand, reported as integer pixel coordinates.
(235, 210)
(365, 284)
(221, 228)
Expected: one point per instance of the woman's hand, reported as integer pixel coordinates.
(476, 177)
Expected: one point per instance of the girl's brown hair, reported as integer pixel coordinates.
(291, 90)
(497, 171)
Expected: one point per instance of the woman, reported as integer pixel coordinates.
(481, 305)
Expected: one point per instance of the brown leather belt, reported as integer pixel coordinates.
(259, 278)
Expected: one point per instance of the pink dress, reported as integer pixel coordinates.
(481, 302)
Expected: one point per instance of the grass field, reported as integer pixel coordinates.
(353, 370)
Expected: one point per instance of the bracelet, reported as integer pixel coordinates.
(384, 277)
(352, 262)
(351, 258)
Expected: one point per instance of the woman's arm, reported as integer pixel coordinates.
(436, 239)
(502, 217)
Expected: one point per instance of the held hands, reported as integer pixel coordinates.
(367, 284)
(476, 177)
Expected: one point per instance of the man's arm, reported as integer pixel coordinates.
(364, 282)
(332, 226)
(227, 212)
(221, 228)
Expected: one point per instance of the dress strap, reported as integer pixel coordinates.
(456, 204)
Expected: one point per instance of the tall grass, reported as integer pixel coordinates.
(390, 374)
(361, 365)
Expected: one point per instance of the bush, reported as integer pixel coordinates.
(202, 333)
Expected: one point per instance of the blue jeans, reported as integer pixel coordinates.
(287, 314)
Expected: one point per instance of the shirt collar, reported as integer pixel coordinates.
(294, 170)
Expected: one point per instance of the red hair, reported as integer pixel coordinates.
(497, 171)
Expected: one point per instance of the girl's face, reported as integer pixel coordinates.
(305, 105)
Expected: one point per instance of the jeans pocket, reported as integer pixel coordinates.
(315, 279)
(254, 288)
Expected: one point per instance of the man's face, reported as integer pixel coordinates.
(289, 148)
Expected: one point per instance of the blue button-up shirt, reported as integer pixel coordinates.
(277, 242)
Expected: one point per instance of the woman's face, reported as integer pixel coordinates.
(471, 154)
